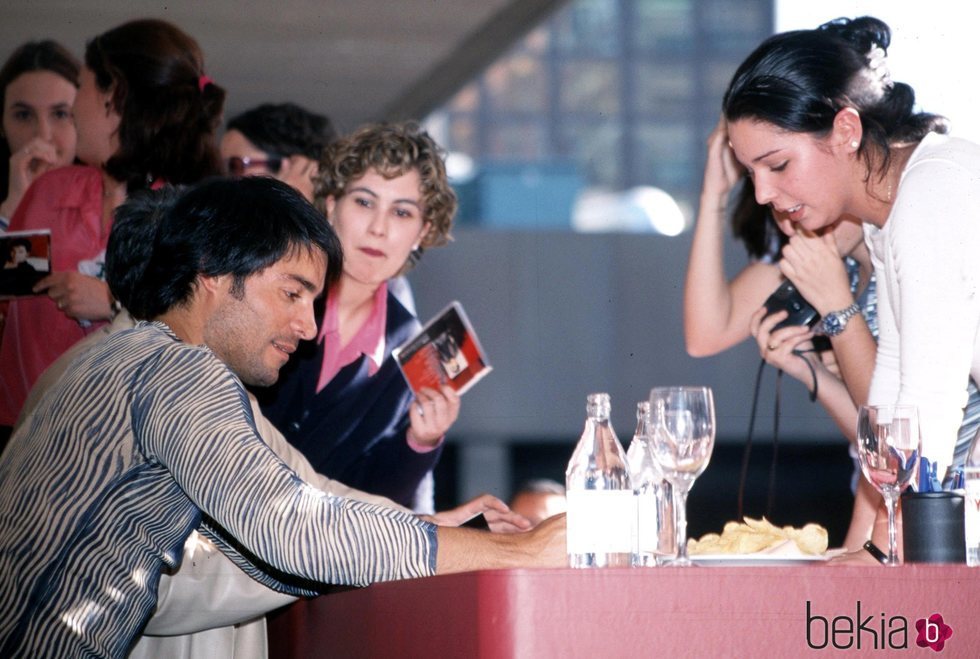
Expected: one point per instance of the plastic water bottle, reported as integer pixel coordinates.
(601, 514)
(971, 503)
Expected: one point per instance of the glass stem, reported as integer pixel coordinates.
(891, 501)
(680, 520)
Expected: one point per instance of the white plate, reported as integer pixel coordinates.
(755, 559)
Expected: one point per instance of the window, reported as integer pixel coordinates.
(606, 95)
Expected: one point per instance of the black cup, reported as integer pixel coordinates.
(932, 527)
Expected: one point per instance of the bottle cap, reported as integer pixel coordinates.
(597, 406)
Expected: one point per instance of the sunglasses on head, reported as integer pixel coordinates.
(239, 166)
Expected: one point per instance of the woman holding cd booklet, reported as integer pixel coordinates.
(341, 399)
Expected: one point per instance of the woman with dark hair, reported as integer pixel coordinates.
(146, 115)
(717, 311)
(831, 271)
(824, 131)
(38, 83)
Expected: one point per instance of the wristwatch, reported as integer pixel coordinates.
(835, 321)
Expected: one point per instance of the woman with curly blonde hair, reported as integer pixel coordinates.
(341, 400)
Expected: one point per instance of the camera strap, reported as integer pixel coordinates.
(747, 451)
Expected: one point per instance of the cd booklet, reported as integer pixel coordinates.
(446, 351)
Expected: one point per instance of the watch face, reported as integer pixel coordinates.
(832, 324)
(835, 321)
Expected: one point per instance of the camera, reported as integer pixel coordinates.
(787, 298)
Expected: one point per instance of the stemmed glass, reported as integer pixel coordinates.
(888, 447)
(682, 438)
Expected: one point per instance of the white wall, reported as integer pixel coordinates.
(933, 49)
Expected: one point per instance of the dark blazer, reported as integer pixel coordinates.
(354, 429)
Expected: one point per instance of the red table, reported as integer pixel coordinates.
(662, 612)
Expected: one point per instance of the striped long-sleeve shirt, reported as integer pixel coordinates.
(143, 436)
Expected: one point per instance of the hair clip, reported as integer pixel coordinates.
(878, 63)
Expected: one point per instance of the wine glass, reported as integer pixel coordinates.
(888, 448)
(682, 438)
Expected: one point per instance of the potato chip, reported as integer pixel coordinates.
(756, 535)
(811, 539)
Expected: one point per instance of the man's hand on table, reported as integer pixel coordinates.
(500, 518)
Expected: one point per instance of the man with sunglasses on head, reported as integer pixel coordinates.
(279, 140)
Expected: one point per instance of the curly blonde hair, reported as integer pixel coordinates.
(391, 149)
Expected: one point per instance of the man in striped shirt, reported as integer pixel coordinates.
(150, 434)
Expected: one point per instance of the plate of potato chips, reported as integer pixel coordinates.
(760, 542)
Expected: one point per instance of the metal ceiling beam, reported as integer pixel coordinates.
(474, 53)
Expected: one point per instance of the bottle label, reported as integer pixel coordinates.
(600, 521)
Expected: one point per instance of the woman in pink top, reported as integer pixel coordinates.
(146, 115)
(38, 84)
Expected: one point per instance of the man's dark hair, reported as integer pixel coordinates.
(236, 227)
(131, 241)
(285, 129)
